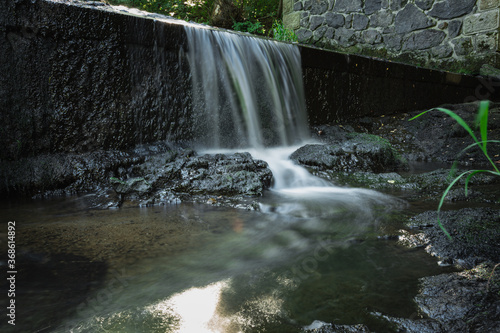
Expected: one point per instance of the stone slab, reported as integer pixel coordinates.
(482, 21)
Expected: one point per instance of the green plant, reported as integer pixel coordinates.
(282, 33)
(482, 123)
(248, 26)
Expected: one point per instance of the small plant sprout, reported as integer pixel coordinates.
(482, 143)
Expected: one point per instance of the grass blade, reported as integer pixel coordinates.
(482, 119)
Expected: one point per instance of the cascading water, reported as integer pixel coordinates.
(248, 91)
(247, 96)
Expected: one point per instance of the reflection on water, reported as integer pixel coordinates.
(310, 254)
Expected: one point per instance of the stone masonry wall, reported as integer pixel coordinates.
(454, 35)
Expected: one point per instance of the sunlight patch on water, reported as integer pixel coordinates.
(195, 308)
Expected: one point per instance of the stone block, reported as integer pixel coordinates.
(423, 40)
(486, 43)
(398, 4)
(292, 20)
(482, 21)
(410, 19)
(330, 32)
(304, 35)
(345, 37)
(315, 21)
(372, 36)
(424, 4)
(463, 46)
(288, 6)
(297, 7)
(382, 19)
(319, 7)
(348, 6)
(442, 51)
(359, 22)
(449, 9)
(371, 6)
(334, 20)
(454, 28)
(319, 33)
(393, 41)
(488, 4)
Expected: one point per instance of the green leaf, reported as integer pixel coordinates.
(453, 115)
(482, 119)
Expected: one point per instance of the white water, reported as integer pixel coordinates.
(247, 91)
(249, 96)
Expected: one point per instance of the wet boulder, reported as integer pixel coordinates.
(349, 152)
(475, 235)
(188, 174)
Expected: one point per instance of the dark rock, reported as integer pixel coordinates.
(371, 6)
(423, 40)
(345, 37)
(449, 9)
(457, 302)
(462, 302)
(304, 35)
(226, 175)
(334, 20)
(435, 137)
(398, 4)
(410, 19)
(315, 21)
(357, 152)
(475, 234)
(319, 33)
(359, 22)
(319, 7)
(424, 4)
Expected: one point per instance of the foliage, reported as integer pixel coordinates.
(282, 33)
(189, 10)
(248, 26)
(254, 11)
(482, 123)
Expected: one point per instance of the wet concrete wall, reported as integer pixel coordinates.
(80, 78)
(341, 87)
(77, 79)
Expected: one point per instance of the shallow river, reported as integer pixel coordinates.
(310, 253)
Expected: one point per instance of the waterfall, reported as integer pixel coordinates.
(247, 91)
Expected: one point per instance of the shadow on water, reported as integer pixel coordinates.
(49, 288)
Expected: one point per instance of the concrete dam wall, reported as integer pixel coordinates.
(84, 76)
